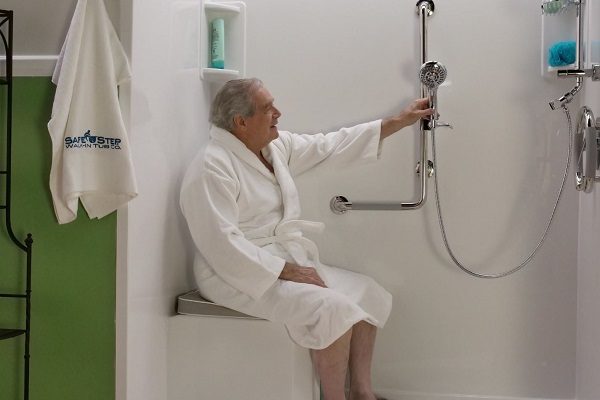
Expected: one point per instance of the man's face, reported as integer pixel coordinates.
(261, 127)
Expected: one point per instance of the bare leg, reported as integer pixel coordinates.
(361, 355)
(331, 364)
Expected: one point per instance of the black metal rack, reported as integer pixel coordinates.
(6, 85)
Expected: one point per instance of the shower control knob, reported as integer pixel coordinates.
(439, 124)
(430, 168)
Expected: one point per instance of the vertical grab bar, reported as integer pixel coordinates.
(340, 204)
(425, 9)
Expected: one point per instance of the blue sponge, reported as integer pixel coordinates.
(562, 53)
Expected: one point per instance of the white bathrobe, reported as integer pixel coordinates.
(245, 222)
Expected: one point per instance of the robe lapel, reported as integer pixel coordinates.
(229, 141)
(289, 193)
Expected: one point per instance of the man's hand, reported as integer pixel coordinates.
(415, 111)
(296, 273)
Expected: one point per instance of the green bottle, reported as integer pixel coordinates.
(217, 48)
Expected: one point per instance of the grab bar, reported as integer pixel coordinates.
(587, 142)
(340, 204)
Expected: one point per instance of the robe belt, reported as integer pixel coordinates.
(289, 235)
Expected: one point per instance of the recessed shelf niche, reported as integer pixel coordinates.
(234, 15)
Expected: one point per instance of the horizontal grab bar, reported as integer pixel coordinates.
(340, 204)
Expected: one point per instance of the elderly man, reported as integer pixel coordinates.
(243, 211)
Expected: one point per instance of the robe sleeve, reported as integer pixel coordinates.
(209, 205)
(355, 145)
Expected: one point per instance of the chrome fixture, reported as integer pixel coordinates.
(425, 7)
(593, 72)
(430, 169)
(587, 150)
(567, 97)
(340, 204)
(585, 140)
(578, 72)
(432, 75)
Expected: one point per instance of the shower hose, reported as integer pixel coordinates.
(543, 238)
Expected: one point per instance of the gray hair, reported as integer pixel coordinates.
(236, 97)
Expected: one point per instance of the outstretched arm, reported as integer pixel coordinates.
(415, 111)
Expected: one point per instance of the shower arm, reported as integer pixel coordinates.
(340, 204)
(593, 73)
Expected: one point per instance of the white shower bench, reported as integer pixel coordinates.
(220, 354)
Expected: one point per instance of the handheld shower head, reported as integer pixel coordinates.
(432, 74)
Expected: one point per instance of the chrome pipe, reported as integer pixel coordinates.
(425, 9)
(568, 73)
(593, 72)
(340, 204)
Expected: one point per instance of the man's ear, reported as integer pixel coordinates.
(239, 122)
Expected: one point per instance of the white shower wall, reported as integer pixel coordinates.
(340, 62)
(588, 324)
(168, 114)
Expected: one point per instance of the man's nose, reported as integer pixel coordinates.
(277, 113)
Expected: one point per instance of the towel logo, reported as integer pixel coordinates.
(88, 141)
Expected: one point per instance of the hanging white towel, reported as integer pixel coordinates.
(91, 159)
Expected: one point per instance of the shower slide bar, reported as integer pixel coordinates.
(340, 204)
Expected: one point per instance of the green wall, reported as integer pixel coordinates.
(73, 303)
